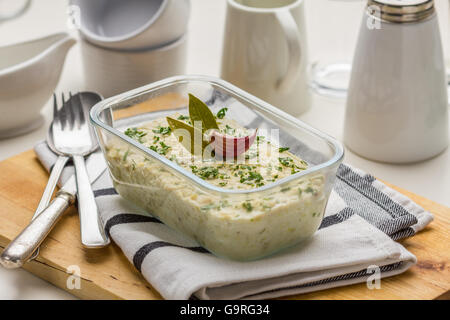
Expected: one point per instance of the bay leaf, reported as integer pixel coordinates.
(187, 135)
(199, 111)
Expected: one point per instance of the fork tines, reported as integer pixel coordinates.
(68, 114)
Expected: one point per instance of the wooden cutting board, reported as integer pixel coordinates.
(107, 274)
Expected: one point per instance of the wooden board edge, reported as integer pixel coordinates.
(88, 289)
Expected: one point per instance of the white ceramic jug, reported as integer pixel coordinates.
(265, 51)
(397, 99)
(29, 73)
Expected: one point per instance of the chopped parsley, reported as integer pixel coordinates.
(162, 130)
(221, 204)
(221, 113)
(229, 130)
(247, 206)
(136, 134)
(206, 173)
(125, 155)
(182, 117)
(283, 149)
(309, 190)
(251, 176)
(287, 162)
(162, 149)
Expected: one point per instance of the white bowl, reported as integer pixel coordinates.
(110, 72)
(132, 24)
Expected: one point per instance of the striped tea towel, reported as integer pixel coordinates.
(355, 240)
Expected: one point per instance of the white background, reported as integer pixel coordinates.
(430, 178)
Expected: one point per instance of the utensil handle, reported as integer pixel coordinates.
(48, 192)
(22, 247)
(92, 232)
(290, 29)
(51, 184)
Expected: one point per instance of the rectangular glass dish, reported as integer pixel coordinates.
(229, 222)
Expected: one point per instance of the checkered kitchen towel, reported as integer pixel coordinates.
(363, 219)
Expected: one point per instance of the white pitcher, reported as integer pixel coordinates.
(265, 51)
(29, 73)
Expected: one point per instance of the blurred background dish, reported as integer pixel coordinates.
(447, 46)
(265, 51)
(29, 73)
(337, 22)
(110, 72)
(132, 24)
(13, 9)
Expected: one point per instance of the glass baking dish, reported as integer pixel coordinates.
(283, 213)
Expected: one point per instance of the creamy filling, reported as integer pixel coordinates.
(236, 226)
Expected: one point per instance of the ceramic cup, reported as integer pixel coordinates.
(132, 24)
(110, 72)
(265, 51)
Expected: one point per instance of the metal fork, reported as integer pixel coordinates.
(57, 167)
(74, 138)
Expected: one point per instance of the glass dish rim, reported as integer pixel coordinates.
(104, 104)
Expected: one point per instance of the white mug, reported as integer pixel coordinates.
(132, 24)
(110, 72)
(265, 51)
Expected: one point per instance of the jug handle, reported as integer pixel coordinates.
(290, 29)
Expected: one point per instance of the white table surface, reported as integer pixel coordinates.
(429, 178)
